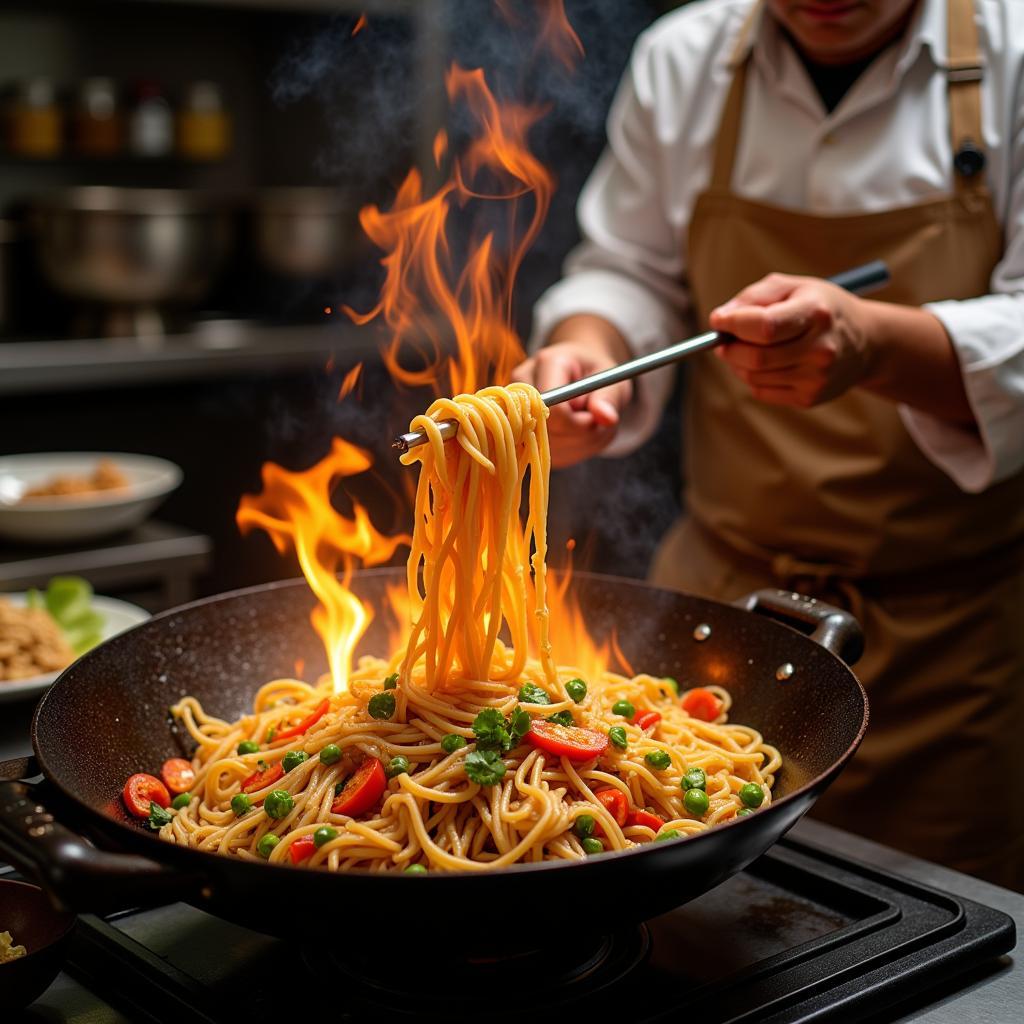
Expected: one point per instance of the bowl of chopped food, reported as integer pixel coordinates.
(42, 632)
(63, 497)
(33, 943)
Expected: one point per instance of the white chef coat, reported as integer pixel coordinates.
(887, 144)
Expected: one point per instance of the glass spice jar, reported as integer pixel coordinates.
(204, 128)
(35, 121)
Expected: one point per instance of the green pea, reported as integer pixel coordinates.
(743, 812)
(658, 759)
(624, 708)
(382, 705)
(592, 845)
(293, 759)
(576, 689)
(324, 834)
(562, 718)
(673, 683)
(391, 682)
(248, 747)
(181, 800)
(279, 803)
(668, 833)
(331, 754)
(695, 779)
(398, 765)
(617, 735)
(241, 804)
(584, 825)
(751, 795)
(415, 869)
(452, 742)
(696, 802)
(266, 844)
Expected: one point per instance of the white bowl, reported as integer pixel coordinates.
(118, 616)
(61, 520)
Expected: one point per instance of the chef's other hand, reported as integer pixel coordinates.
(580, 346)
(799, 341)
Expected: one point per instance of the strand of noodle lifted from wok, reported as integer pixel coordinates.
(470, 575)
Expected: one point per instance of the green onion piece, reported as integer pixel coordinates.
(266, 844)
(658, 759)
(330, 754)
(382, 705)
(279, 804)
(324, 834)
(576, 690)
(452, 742)
(617, 736)
(398, 765)
(592, 845)
(181, 800)
(248, 747)
(624, 708)
(241, 804)
(584, 825)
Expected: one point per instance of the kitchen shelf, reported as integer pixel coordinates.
(220, 348)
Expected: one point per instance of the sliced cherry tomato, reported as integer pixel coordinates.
(616, 802)
(141, 790)
(306, 724)
(569, 741)
(302, 849)
(178, 775)
(260, 780)
(646, 719)
(362, 791)
(641, 817)
(702, 704)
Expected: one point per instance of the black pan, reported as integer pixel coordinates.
(106, 717)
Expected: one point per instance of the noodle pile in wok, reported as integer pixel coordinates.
(453, 719)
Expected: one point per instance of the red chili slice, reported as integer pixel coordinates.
(141, 790)
(702, 704)
(362, 791)
(616, 803)
(646, 719)
(262, 779)
(641, 817)
(307, 723)
(569, 741)
(302, 849)
(178, 775)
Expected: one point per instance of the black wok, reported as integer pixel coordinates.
(106, 717)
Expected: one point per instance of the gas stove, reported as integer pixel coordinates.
(805, 933)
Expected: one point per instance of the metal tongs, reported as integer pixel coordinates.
(858, 280)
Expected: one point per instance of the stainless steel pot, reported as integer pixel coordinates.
(304, 232)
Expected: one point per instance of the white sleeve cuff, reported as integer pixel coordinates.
(988, 337)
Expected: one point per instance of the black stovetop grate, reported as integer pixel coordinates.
(801, 935)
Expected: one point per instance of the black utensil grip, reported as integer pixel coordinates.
(74, 874)
(865, 278)
(836, 630)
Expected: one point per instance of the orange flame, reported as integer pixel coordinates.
(360, 25)
(350, 381)
(295, 510)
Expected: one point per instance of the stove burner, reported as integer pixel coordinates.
(443, 986)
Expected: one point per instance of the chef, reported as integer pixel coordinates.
(867, 451)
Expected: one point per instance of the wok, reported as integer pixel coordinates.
(107, 717)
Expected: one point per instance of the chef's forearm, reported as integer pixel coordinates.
(912, 361)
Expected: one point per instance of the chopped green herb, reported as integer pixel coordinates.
(592, 845)
(452, 742)
(584, 825)
(382, 705)
(398, 765)
(266, 844)
(531, 693)
(658, 759)
(624, 708)
(181, 800)
(248, 747)
(391, 682)
(562, 718)
(485, 767)
(330, 754)
(293, 759)
(618, 738)
(518, 725)
(490, 729)
(576, 689)
(158, 816)
(324, 834)
(279, 803)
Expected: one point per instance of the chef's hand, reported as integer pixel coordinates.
(799, 340)
(578, 347)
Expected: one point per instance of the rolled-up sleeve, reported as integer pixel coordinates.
(629, 267)
(988, 336)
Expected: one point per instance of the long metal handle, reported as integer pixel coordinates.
(859, 280)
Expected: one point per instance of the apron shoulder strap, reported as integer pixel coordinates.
(964, 73)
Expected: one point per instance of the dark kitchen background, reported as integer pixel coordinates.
(208, 342)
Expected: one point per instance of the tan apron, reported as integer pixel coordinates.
(838, 501)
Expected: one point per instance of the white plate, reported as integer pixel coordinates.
(118, 615)
(81, 517)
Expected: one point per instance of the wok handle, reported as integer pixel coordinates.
(836, 630)
(74, 874)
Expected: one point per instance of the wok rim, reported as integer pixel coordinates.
(180, 856)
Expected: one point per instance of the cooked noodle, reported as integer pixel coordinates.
(471, 584)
